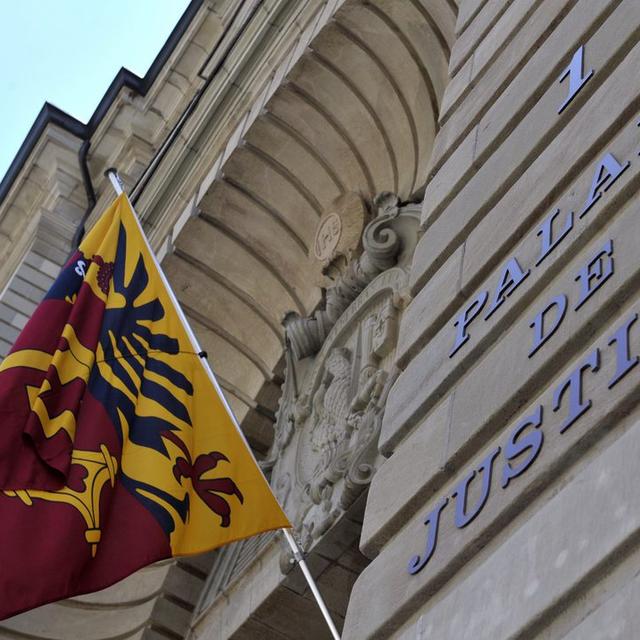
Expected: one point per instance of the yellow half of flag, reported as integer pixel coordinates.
(204, 456)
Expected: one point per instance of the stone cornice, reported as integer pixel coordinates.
(128, 125)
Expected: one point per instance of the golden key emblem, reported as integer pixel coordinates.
(101, 467)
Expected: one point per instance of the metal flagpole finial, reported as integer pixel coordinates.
(116, 183)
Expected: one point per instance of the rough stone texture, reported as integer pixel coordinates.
(615, 619)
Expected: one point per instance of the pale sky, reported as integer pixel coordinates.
(67, 52)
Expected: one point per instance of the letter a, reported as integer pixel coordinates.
(606, 173)
(512, 276)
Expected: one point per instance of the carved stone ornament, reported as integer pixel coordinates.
(381, 245)
(325, 450)
(327, 236)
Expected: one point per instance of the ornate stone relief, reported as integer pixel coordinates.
(381, 245)
(339, 369)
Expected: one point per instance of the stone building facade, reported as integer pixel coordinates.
(406, 233)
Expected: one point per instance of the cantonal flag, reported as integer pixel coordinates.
(115, 448)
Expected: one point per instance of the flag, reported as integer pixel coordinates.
(116, 449)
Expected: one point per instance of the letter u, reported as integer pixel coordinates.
(464, 516)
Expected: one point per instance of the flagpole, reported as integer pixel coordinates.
(116, 183)
(299, 558)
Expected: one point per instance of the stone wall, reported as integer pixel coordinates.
(507, 506)
(460, 405)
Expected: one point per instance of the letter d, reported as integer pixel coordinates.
(540, 335)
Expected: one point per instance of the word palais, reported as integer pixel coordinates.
(406, 233)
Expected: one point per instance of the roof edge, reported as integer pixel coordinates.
(50, 114)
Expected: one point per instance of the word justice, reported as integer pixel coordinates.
(512, 275)
(524, 443)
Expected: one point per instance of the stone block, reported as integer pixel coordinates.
(496, 384)
(406, 480)
(8, 333)
(525, 148)
(167, 614)
(618, 618)
(18, 302)
(221, 302)
(200, 563)
(342, 536)
(353, 560)
(335, 585)
(432, 373)
(505, 30)
(236, 263)
(518, 235)
(27, 290)
(610, 404)
(580, 528)
(35, 277)
(47, 250)
(475, 33)
(558, 543)
(603, 52)
(453, 93)
(467, 11)
(227, 207)
(439, 191)
(43, 264)
(4, 345)
(272, 139)
(432, 306)
(149, 633)
(242, 598)
(141, 586)
(167, 100)
(295, 580)
(251, 630)
(12, 317)
(62, 621)
(183, 585)
(293, 615)
(539, 49)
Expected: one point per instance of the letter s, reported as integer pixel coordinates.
(518, 444)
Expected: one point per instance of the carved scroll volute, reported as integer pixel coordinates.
(380, 241)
